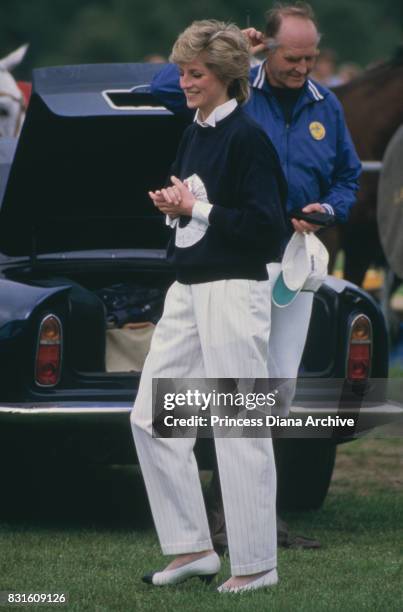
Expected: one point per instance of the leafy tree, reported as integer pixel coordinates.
(85, 31)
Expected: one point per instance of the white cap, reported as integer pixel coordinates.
(304, 266)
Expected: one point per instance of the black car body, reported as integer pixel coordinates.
(75, 219)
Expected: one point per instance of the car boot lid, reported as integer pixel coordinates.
(94, 142)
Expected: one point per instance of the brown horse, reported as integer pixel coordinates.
(373, 106)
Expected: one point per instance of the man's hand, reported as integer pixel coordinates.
(303, 226)
(256, 40)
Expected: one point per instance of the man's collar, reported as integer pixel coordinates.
(220, 112)
(259, 81)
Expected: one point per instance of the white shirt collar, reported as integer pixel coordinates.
(220, 112)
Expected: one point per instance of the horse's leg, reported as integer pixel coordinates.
(361, 246)
(391, 283)
(356, 264)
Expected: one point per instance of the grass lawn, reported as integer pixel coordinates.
(89, 534)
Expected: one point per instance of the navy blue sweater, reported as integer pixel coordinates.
(242, 177)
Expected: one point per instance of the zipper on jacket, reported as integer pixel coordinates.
(296, 112)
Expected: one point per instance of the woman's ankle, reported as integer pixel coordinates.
(185, 558)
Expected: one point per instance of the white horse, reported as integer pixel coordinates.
(12, 105)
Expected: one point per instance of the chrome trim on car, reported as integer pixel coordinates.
(387, 408)
(63, 410)
(143, 107)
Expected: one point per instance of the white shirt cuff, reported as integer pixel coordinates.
(328, 208)
(201, 211)
(171, 222)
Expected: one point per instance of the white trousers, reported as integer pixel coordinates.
(210, 330)
(288, 333)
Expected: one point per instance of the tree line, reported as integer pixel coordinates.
(87, 31)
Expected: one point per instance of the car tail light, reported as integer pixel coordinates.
(360, 349)
(49, 353)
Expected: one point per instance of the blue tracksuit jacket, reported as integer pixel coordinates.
(316, 153)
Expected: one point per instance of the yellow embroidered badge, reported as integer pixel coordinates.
(317, 130)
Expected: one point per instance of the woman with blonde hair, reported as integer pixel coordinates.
(226, 205)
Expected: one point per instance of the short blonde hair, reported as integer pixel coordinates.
(224, 50)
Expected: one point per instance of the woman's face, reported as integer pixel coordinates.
(203, 90)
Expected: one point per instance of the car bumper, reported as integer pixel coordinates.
(365, 417)
(50, 412)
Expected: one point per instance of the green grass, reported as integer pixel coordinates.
(395, 384)
(359, 568)
(89, 534)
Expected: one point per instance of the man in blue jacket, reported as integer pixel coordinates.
(306, 124)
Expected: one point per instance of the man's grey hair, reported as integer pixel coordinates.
(275, 15)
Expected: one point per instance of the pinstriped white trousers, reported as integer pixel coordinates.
(288, 334)
(210, 330)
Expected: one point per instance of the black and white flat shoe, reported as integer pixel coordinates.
(267, 580)
(205, 568)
